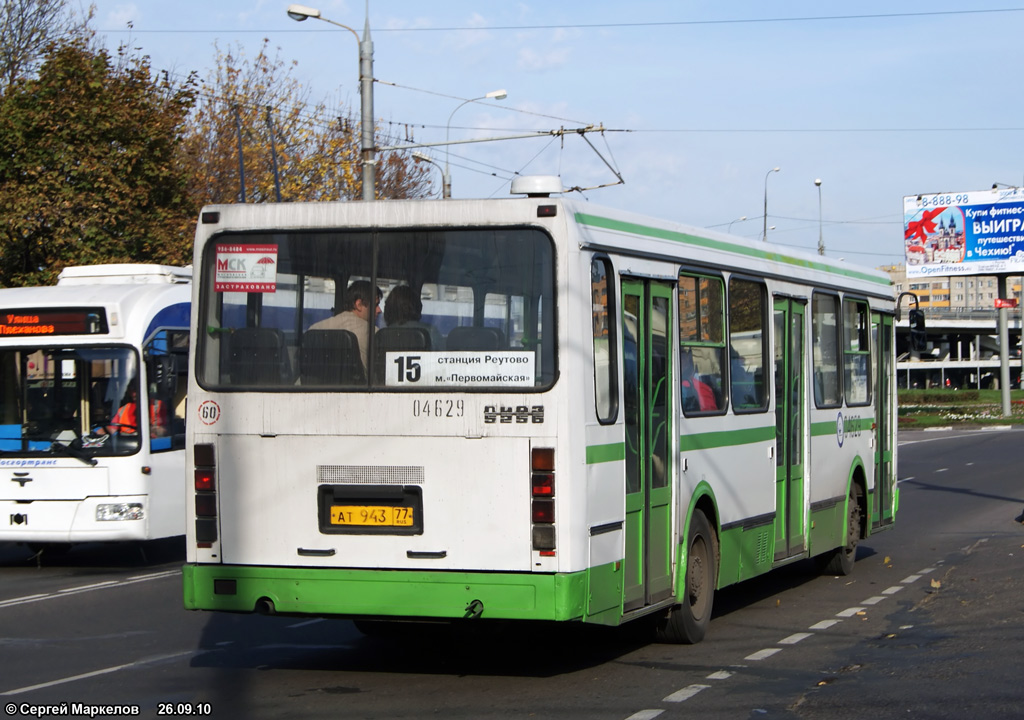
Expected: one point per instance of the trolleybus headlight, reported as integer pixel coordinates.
(119, 511)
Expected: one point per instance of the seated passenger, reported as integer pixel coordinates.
(697, 394)
(403, 308)
(360, 309)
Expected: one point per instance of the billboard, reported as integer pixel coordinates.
(969, 233)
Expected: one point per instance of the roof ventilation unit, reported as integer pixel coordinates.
(537, 185)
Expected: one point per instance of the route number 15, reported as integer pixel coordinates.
(408, 368)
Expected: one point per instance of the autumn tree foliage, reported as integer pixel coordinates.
(255, 108)
(90, 165)
(28, 27)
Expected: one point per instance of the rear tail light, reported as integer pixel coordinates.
(205, 495)
(542, 503)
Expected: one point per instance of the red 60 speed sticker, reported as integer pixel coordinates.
(209, 412)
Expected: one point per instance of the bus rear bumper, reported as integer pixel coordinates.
(385, 593)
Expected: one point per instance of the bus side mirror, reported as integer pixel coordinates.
(918, 335)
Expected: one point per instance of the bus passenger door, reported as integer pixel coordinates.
(882, 329)
(647, 380)
(790, 536)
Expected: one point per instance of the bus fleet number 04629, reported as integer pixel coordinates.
(437, 407)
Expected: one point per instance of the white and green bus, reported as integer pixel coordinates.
(598, 417)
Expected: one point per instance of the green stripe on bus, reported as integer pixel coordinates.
(613, 452)
(711, 244)
(726, 438)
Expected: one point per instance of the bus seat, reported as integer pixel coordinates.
(256, 356)
(465, 337)
(330, 357)
(391, 339)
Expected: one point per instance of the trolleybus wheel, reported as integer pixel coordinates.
(688, 622)
(840, 561)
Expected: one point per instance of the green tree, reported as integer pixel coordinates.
(90, 165)
(317, 149)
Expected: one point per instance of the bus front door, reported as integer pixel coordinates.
(789, 423)
(646, 334)
(882, 329)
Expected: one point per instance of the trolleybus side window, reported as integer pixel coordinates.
(748, 345)
(856, 352)
(702, 343)
(166, 356)
(605, 371)
(825, 350)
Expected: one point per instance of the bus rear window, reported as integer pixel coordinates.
(465, 309)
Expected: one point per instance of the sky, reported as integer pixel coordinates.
(699, 101)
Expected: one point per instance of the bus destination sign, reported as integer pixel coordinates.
(53, 321)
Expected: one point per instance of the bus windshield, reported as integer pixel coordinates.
(453, 309)
(73, 397)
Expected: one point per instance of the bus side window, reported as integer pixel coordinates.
(605, 373)
(702, 337)
(856, 352)
(748, 345)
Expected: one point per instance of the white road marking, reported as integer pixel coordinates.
(795, 638)
(824, 624)
(849, 612)
(686, 693)
(763, 654)
(65, 592)
(645, 715)
(83, 588)
(95, 673)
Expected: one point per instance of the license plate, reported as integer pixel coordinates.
(372, 515)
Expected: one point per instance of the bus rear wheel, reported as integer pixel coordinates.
(688, 622)
(840, 561)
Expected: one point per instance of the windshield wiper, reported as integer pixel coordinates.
(72, 452)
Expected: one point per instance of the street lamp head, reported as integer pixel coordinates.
(776, 169)
(421, 156)
(496, 95)
(301, 12)
(818, 182)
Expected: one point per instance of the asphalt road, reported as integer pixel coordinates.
(930, 624)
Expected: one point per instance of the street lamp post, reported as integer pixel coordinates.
(446, 188)
(765, 231)
(427, 159)
(741, 218)
(821, 237)
(368, 152)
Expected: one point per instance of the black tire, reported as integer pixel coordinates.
(687, 623)
(840, 561)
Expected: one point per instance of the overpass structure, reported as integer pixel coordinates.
(962, 351)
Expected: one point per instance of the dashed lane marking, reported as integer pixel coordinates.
(691, 691)
(686, 693)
